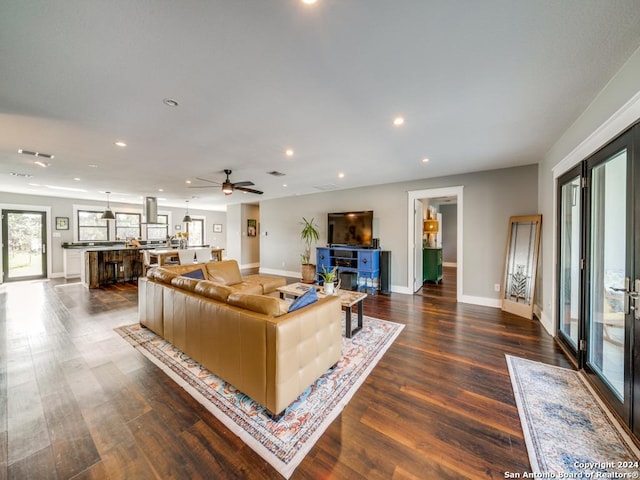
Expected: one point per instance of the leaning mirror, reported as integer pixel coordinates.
(520, 271)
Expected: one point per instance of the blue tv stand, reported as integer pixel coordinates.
(358, 268)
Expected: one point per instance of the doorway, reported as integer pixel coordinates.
(598, 308)
(24, 245)
(415, 235)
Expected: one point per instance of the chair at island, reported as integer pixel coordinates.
(203, 255)
(187, 257)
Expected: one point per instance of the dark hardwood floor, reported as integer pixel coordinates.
(79, 402)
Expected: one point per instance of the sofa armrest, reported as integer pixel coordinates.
(301, 346)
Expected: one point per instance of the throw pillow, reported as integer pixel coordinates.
(307, 299)
(195, 274)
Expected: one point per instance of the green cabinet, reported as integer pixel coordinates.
(431, 265)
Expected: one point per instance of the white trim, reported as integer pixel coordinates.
(48, 223)
(431, 193)
(401, 289)
(483, 301)
(282, 273)
(250, 265)
(622, 119)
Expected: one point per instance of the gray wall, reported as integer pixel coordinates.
(490, 198)
(63, 207)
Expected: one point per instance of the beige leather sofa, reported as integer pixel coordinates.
(233, 327)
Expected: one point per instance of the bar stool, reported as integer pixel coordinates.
(116, 269)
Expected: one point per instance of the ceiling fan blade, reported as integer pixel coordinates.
(204, 186)
(209, 181)
(243, 184)
(249, 190)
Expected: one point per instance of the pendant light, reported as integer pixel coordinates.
(108, 214)
(187, 217)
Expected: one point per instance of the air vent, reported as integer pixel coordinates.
(275, 173)
(35, 154)
(329, 186)
(23, 175)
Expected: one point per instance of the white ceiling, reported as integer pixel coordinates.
(481, 84)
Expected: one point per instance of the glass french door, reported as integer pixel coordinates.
(24, 252)
(570, 206)
(598, 248)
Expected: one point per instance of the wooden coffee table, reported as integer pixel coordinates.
(348, 299)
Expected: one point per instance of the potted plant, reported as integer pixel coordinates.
(329, 278)
(310, 235)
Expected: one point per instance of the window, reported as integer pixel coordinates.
(127, 225)
(195, 229)
(159, 231)
(91, 227)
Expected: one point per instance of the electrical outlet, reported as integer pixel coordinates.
(496, 287)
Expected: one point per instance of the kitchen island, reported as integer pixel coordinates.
(112, 262)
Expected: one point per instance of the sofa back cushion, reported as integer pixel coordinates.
(271, 306)
(162, 275)
(212, 290)
(185, 283)
(226, 272)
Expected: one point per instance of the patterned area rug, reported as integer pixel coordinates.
(569, 434)
(286, 442)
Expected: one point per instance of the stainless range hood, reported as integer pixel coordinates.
(150, 210)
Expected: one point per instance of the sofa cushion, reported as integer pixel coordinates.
(308, 298)
(271, 306)
(269, 283)
(226, 272)
(161, 275)
(213, 290)
(185, 283)
(198, 273)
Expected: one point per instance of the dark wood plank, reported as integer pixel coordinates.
(438, 405)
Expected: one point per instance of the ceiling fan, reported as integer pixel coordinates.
(228, 186)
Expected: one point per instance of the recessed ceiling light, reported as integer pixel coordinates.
(76, 179)
(425, 160)
(341, 175)
(161, 189)
(170, 102)
(284, 185)
(92, 165)
(120, 144)
(309, 2)
(187, 181)
(398, 121)
(41, 164)
(288, 152)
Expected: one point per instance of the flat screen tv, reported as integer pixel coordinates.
(354, 229)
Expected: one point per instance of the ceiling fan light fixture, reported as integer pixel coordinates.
(227, 187)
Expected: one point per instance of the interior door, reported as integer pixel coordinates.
(24, 249)
(610, 273)
(418, 212)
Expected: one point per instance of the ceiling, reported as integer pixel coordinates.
(481, 85)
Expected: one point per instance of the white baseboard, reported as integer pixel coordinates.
(282, 273)
(484, 301)
(546, 322)
(57, 275)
